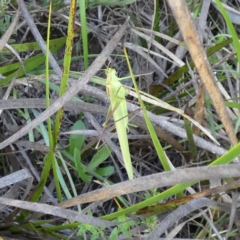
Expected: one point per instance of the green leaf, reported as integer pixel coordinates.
(105, 171)
(31, 63)
(76, 140)
(99, 157)
(114, 234)
(79, 166)
(231, 28)
(33, 46)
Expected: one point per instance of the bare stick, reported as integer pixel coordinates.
(158, 180)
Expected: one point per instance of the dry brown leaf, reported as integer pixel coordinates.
(184, 20)
(199, 109)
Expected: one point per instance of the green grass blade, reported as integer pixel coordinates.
(47, 88)
(156, 23)
(84, 31)
(225, 159)
(157, 145)
(66, 68)
(50, 156)
(189, 132)
(231, 28)
(30, 64)
(32, 46)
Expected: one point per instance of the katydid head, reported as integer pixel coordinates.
(110, 71)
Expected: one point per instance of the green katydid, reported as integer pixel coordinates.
(116, 93)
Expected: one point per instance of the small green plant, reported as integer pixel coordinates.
(5, 19)
(101, 232)
(3, 6)
(73, 152)
(95, 232)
